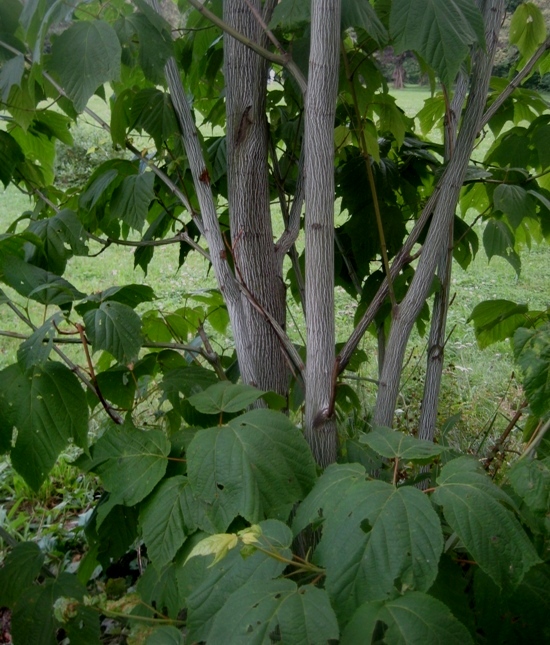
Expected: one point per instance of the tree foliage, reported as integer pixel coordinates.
(251, 531)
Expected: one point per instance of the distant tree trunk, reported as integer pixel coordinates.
(399, 73)
(449, 190)
(263, 363)
(321, 431)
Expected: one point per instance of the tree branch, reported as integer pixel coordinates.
(76, 369)
(514, 84)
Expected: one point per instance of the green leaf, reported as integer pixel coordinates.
(118, 385)
(263, 611)
(163, 520)
(85, 56)
(130, 462)
(165, 635)
(413, 618)
(532, 352)
(115, 328)
(159, 588)
(515, 202)
(327, 494)
(441, 31)
(256, 466)
(496, 320)
(210, 593)
(289, 14)
(112, 530)
(476, 509)
(10, 155)
(155, 46)
(186, 381)
(152, 111)
(393, 444)
(35, 283)
(499, 240)
(527, 29)
(530, 479)
(10, 11)
(33, 618)
(130, 295)
(62, 237)
(48, 407)
(361, 562)
(36, 349)
(11, 74)
(362, 14)
(130, 201)
(53, 124)
(225, 397)
(21, 566)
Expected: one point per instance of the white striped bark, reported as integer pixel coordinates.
(320, 425)
(436, 343)
(248, 193)
(449, 190)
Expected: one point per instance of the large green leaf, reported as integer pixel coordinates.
(289, 14)
(327, 494)
(115, 328)
(36, 349)
(362, 561)
(11, 74)
(155, 44)
(36, 283)
(530, 479)
(54, 124)
(10, 10)
(165, 635)
(413, 618)
(130, 201)
(532, 352)
(220, 581)
(33, 619)
(130, 295)
(441, 31)
(517, 617)
(130, 462)
(48, 407)
(515, 202)
(476, 509)
(527, 28)
(225, 397)
(159, 588)
(278, 610)
(85, 56)
(496, 320)
(163, 520)
(393, 444)
(256, 466)
(152, 111)
(62, 237)
(21, 566)
(499, 240)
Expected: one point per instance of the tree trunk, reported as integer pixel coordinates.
(436, 343)
(263, 363)
(449, 189)
(321, 431)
